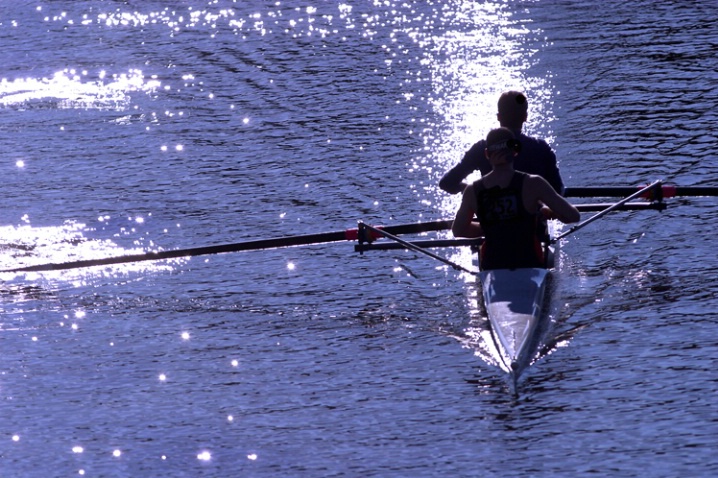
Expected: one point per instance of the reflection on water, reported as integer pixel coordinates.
(470, 54)
(72, 89)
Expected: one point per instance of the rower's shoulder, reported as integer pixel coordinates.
(478, 147)
(477, 185)
(533, 142)
(535, 181)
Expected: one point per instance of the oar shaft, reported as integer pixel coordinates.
(419, 227)
(415, 248)
(288, 241)
(613, 207)
(668, 191)
(388, 246)
(195, 251)
(632, 206)
(353, 234)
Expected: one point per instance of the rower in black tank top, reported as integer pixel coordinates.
(511, 232)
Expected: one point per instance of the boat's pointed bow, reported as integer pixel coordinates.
(514, 302)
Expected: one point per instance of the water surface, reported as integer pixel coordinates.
(133, 127)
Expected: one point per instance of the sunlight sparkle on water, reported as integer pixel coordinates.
(291, 266)
(185, 335)
(457, 59)
(204, 456)
(71, 89)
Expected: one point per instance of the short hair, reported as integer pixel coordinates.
(513, 108)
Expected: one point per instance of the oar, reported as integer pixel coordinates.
(432, 243)
(631, 206)
(288, 241)
(666, 191)
(612, 207)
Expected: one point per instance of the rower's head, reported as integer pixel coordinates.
(513, 110)
(502, 145)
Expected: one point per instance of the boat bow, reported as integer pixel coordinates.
(514, 302)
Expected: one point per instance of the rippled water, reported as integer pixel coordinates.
(133, 126)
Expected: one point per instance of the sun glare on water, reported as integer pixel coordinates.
(70, 88)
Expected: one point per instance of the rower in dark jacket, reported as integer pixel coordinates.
(535, 157)
(508, 206)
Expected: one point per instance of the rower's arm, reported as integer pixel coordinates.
(464, 224)
(453, 182)
(560, 208)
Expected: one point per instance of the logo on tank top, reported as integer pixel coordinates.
(499, 207)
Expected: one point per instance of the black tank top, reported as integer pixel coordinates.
(510, 231)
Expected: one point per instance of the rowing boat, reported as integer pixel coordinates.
(514, 300)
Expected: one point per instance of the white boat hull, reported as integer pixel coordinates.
(514, 302)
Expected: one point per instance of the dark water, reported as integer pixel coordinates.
(131, 126)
